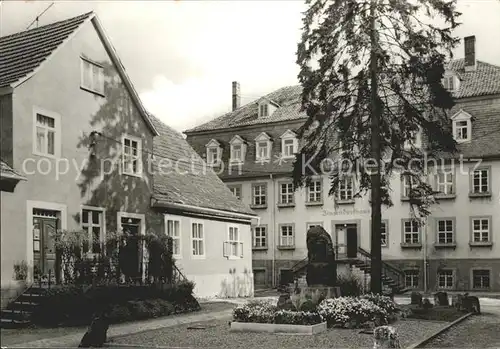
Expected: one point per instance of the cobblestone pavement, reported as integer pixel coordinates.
(478, 331)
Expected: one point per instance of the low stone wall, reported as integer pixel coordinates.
(277, 328)
(326, 292)
(10, 291)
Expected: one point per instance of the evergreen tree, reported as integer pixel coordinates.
(371, 74)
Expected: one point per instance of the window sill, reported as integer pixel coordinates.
(286, 205)
(235, 163)
(409, 246)
(405, 198)
(233, 257)
(197, 257)
(259, 248)
(258, 206)
(137, 175)
(177, 256)
(445, 197)
(479, 195)
(481, 244)
(345, 202)
(444, 246)
(314, 203)
(100, 94)
(285, 248)
(263, 161)
(49, 156)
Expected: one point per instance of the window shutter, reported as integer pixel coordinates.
(225, 249)
(241, 249)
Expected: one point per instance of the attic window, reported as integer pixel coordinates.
(289, 144)
(450, 82)
(462, 127)
(214, 152)
(92, 76)
(238, 149)
(263, 147)
(263, 110)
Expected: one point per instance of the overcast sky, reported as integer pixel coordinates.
(183, 55)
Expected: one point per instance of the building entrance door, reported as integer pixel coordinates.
(45, 225)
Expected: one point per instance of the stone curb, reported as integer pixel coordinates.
(123, 330)
(438, 332)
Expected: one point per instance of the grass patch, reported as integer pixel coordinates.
(438, 313)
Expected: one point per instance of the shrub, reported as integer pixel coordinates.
(258, 311)
(416, 298)
(347, 310)
(350, 285)
(426, 304)
(288, 317)
(383, 302)
(20, 271)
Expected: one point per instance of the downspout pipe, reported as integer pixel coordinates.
(273, 260)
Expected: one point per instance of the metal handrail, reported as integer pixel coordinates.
(299, 263)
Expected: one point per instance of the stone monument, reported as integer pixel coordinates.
(322, 268)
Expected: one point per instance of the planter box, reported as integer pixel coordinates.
(277, 328)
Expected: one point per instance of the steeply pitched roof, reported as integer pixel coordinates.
(484, 80)
(185, 179)
(21, 54)
(7, 172)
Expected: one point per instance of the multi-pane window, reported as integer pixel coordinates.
(311, 225)
(446, 278)
(92, 76)
(262, 152)
(212, 155)
(480, 230)
(286, 193)
(286, 235)
(259, 195)
(174, 231)
(462, 130)
(444, 183)
(93, 224)
(383, 233)
(236, 190)
(409, 184)
(197, 238)
(411, 232)
(260, 236)
(346, 189)
(411, 278)
(481, 278)
(314, 191)
(480, 181)
(45, 135)
(448, 83)
(288, 147)
(237, 152)
(131, 155)
(445, 231)
(234, 241)
(264, 110)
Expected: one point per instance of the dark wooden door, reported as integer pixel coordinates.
(134, 244)
(352, 241)
(44, 251)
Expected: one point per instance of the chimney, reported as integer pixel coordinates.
(236, 95)
(470, 53)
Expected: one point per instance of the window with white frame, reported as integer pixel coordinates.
(93, 224)
(445, 231)
(173, 230)
(445, 182)
(314, 191)
(481, 278)
(259, 195)
(411, 232)
(234, 242)
(197, 239)
(237, 149)
(409, 184)
(236, 190)
(262, 152)
(462, 126)
(46, 135)
(411, 278)
(481, 230)
(449, 82)
(480, 181)
(260, 236)
(263, 110)
(286, 193)
(214, 152)
(92, 78)
(289, 144)
(446, 278)
(345, 191)
(286, 235)
(131, 155)
(415, 140)
(383, 233)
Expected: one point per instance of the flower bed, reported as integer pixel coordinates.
(267, 313)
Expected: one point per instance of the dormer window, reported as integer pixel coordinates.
(263, 147)
(450, 82)
(214, 152)
(462, 127)
(289, 144)
(238, 148)
(263, 110)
